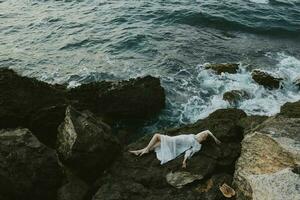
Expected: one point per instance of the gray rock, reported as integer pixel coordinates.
(85, 144)
(267, 167)
(28, 169)
(180, 179)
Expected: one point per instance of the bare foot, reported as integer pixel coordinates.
(140, 152)
(137, 152)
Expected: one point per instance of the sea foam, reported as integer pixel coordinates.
(194, 95)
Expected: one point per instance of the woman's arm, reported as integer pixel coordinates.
(188, 154)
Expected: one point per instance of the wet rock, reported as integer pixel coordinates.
(291, 109)
(266, 79)
(231, 68)
(269, 156)
(234, 96)
(147, 178)
(180, 179)
(29, 170)
(132, 99)
(86, 144)
(29, 103)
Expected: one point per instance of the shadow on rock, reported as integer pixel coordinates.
(143, 177)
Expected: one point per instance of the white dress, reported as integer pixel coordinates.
(172, 146)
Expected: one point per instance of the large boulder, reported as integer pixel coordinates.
(269, 161)
(27, 102)
(28, 169)
(86, 144)
(234, 96)
(30, 103)
(230, 68)
(133, 177)
(133, 99)
(266, 79)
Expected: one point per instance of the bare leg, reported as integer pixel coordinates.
(154, 142)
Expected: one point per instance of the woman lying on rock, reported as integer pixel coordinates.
(169, 147)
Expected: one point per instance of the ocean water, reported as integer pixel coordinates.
(79, 41)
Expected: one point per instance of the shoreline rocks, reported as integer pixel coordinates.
(138, 98)
(27, 102)
(146, 178)
(270, 157)
(290, 109)
(28, 169)
(234, 96)
(266, 79)
(230, 68)
(85, 144)
(39, 106)
(266, 163)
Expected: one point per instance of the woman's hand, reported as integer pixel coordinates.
(218, 141)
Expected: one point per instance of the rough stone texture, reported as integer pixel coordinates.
(86, 144)
(133, 99)
(143, 177)
(291, 109)
(28, 169)
(266, 79)
(268, 158)
(27, 102)
(249, 123)
(231, 68)
(210, 188)
(73, 188)
(180, 179)
(234, 96)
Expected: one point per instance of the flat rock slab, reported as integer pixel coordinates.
(180, 179)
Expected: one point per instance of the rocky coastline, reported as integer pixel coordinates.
(59, 144)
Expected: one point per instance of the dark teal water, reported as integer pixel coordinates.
(87, 40)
